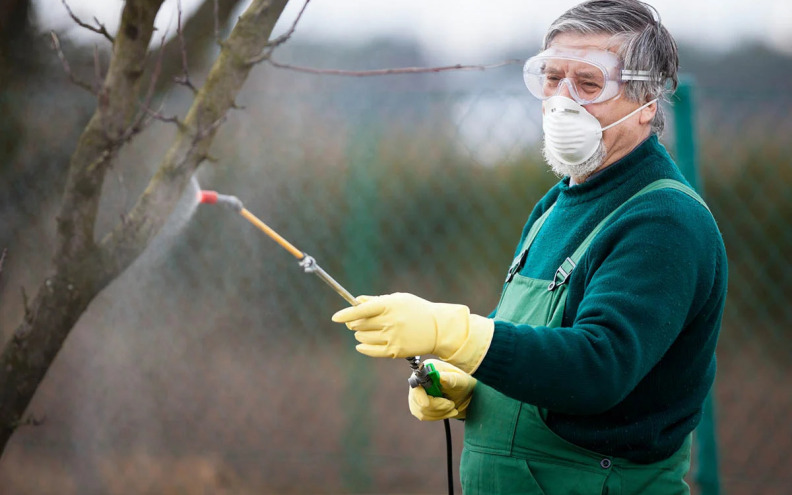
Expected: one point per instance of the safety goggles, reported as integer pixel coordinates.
(591, 76)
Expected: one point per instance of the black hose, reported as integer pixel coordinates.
(449, 462)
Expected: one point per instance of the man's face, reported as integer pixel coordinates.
(620, 139)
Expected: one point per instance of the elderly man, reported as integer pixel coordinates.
(590, 375)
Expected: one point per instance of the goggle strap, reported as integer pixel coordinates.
(640, 75)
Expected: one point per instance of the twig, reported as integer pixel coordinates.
(157, 115)
(185, 77)
(280, 39)
(145, 112)
(155, 74)
(385, 72)
(66, 67)
(284, 37)
(100, 29)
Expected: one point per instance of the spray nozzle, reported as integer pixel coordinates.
(213, 197)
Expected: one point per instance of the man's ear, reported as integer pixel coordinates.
(647, 113)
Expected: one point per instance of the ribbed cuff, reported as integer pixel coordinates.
(501, 350)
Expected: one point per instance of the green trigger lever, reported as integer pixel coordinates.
(426, 376)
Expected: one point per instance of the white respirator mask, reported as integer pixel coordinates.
(572, 134)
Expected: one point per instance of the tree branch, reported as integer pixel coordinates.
(280, 39)
(248, 38)
(206, 19)
(185, 77)
(168, 119)
(105, 132)
(285, 37)
(145, 114)
(76, 275)
(146, 105)
(100, 29)
(66, 67)
(393, 71)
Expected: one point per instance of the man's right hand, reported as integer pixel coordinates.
(457, 387)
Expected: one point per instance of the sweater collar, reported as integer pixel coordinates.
(612, 176)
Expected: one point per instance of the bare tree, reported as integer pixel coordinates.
(82, 265)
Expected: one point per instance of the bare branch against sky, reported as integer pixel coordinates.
(475, 30)
(391, 71)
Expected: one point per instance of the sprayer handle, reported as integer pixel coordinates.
(427, 377)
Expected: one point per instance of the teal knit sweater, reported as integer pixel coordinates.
(627, 372)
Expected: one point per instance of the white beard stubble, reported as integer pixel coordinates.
(581, 170)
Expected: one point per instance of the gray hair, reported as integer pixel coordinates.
(645, 44)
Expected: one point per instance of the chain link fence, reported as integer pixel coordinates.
(747, 173)
(211, 365)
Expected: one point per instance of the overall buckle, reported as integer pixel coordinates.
(517, 263)
(562, 275)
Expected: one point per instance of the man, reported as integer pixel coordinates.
(590, 375)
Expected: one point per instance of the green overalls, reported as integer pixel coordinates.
(508, 447)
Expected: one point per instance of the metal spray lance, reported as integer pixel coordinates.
(426, 376)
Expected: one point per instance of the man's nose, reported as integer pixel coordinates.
(565, 88)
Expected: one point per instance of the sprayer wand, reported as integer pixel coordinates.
(425, 376)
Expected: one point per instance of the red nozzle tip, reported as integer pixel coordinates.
(209, 197)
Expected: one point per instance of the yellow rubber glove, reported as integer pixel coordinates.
(403, 325)
(457, 389)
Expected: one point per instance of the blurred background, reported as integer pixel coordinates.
(211, 365)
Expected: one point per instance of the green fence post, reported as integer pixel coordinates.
(686, 149)
(361, 273)
(706, 475)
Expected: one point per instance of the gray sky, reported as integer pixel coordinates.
(472, 31)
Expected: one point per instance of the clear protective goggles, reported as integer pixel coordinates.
(590, 75)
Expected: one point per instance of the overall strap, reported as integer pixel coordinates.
(535, 228)
(532, 232)
(565, 270)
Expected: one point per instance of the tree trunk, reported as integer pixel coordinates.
(81, 267)
(15, 55)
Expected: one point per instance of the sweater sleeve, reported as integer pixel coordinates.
(646, 274)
